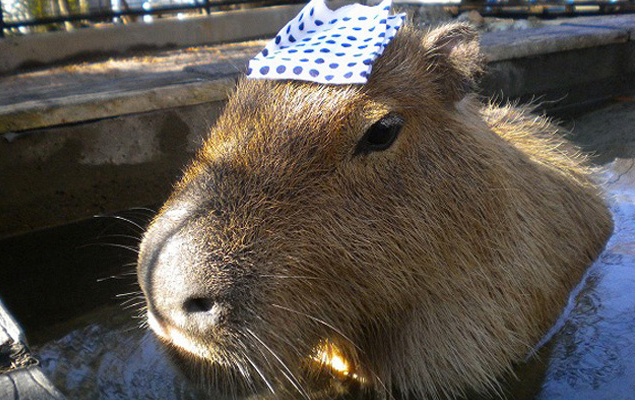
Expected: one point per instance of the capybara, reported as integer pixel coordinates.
(389, 239)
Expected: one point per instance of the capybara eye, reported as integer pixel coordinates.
(381, 135)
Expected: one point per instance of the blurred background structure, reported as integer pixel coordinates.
(20, 17)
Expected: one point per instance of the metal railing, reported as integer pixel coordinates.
(60, 16)
(548, 8)
(113, 15)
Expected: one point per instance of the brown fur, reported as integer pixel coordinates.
(432, 266)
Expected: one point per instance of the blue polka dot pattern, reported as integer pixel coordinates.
(342, 45)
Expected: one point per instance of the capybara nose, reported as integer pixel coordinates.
(189, 308)
(182, 288)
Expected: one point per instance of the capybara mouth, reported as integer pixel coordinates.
(220, 371)
(215, 380)
(176, 337)
(249, 367)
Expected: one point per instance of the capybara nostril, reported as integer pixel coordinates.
(207, 312)
(198, 305)
(202, 315)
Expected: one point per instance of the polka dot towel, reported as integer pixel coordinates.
(324, 46)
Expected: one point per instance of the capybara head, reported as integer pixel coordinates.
(392, 238)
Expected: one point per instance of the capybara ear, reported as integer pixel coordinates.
(455, 56)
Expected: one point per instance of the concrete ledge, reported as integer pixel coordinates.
(87, 107)
(211, 82)
(566, 81)
(506, 45)
(620, 22)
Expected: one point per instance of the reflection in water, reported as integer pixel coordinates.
(106, 361)
(593, 354)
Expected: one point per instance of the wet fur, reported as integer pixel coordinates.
(433, 265)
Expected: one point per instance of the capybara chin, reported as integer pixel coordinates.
(397, 238)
